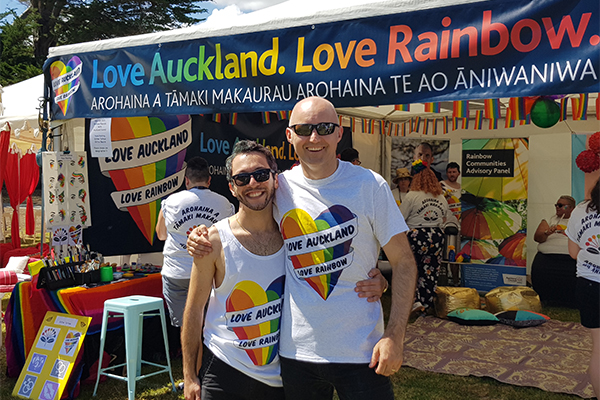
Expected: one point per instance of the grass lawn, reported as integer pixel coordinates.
(409, 383)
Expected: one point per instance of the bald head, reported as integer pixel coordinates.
(313, 110)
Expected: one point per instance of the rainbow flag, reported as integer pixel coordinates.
(492, 108)
(233, 118)
(216, 118)
(402, 107)
(517, 105)
(432, 107)
(396, 129)
(283, 115)
(425, 127)
(493, 123)
(445, 125)
(460, 109)
(579, 107)
(352, 124)
(478, 120)
(404, 129)
(509, 122)
(364, 125)
(526, 121)
(417, 124)
(564, 102)
(454, 124)
(465, 123)
(372, 127)
(266, 117)
(340, 120)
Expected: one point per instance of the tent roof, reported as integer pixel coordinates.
(289, 14)
(21, 100)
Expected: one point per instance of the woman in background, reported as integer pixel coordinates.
(425, 210)
(553, 270)
(584, 237)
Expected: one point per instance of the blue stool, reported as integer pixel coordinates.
(133, 310)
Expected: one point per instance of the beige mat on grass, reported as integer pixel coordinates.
(553, 356)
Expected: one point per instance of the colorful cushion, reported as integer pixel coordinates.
(521, 318)
(8, 277)
(470, 316)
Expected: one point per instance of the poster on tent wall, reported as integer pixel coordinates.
(486, 49)
(148, 164)
(65, 184)
(494, 212)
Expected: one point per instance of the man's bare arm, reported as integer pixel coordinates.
(388, 352)
(201, 280)
(161, 226)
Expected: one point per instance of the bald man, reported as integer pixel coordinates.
(333, 231)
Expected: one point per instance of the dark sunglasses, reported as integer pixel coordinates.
(261, 175)
(558, 205)
(322, 128)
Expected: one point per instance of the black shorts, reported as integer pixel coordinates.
(220, 381)
(588, 296)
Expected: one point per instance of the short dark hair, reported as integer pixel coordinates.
(453, 165)
(197, 170)
(249, 146)
(349, 154)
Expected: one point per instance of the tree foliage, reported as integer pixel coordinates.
(17, 61)
(49, 23)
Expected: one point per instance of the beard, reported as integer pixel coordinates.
(270, 192)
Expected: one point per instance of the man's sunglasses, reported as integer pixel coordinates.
(558, 205)
(261, 175)
(322, 128)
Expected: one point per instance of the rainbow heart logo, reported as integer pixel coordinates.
(65, 81)
(253, 314)
(319, 248)
(147, 165)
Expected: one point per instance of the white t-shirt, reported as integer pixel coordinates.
(584, 229)
(183, 211)
(333, 229)
(557, 242)
(452, 196)
(424, 210)
(243, 316)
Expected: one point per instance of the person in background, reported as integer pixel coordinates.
(179, 214)
(424, 152)
(425, 210)
(452, 191)
(451, 188)
(553, 271)
(350, 155)
(402, 180)
(583, 233)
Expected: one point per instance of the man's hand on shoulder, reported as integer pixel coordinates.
(197, 243)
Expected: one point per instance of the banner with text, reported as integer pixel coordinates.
(489, 49)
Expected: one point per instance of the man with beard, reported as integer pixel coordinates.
(244, 277)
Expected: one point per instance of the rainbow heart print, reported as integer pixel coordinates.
(319, 248)
(253, 314)
(65, 81)
(147, 164)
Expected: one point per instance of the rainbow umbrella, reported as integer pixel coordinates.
(502, 261)
(478, 249)
(486, 219)
(500, 188)
(515, 247)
